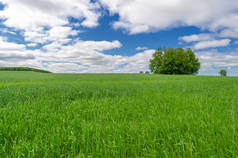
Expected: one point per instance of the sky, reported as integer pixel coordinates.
(116, 36)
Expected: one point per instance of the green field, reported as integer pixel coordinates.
(117, 115)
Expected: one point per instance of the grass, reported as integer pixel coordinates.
(117, 115)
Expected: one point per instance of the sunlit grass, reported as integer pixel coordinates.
(117, 115)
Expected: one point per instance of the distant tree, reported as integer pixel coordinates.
(147, 72)
(141, 72)
(223, 72)
(174, 61)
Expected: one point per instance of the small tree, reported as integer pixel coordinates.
(223, 72)
(174, 61)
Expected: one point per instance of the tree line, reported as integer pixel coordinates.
(22, 69)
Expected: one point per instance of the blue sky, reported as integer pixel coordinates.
(116, 36)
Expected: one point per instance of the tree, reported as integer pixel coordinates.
(174, 61)
(223, 72)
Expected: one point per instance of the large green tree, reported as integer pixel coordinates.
(174, 61)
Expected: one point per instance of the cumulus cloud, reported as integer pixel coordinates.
(137, 16)
(12, 57)
(196, 37)
(88, 56)
(32, 44)
(205, 41)
(27, 14)
(78, 57)
(229, 33)
(57, 33)
(214, 60)
(99, 45)
(8, 46)
(43, 21)
(64, 67)
(13, 54)
(212, 44)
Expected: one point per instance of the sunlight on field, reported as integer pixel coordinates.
(117, 115)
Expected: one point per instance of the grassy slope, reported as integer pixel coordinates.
(58, 115)
(22, 69)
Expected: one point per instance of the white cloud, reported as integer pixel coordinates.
(27, 14)
(8, 46)
(32, 44)
(61, 32)
(57, 33)
(88, 56)
(138, 16)
(13, 54)
(205, 41)
(5, 30)
(64, 67)
(43, 21)
(213, 61)
(196, 37)
(211, 44)
(141, 48)
(98, 45)
(78, 57)
(15, 57)
(229, 33)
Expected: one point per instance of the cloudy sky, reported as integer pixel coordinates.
(116, 36)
